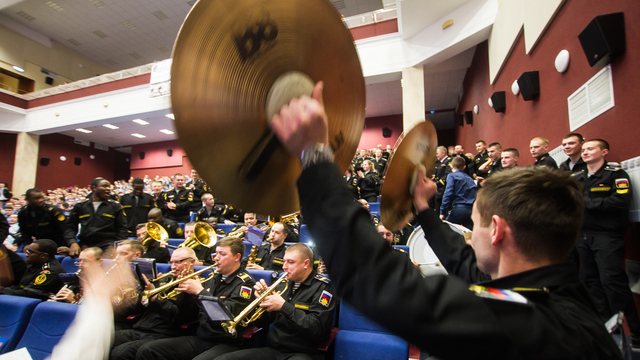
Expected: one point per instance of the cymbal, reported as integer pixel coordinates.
(417, 147)
(226, 60)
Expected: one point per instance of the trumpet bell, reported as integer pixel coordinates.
(155, 232)
(203, 234)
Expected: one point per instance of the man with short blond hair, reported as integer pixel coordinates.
(510, 158)
(539, 148)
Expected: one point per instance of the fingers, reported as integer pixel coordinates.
(317, 92)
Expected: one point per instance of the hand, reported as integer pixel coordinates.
(272, 302)
(171, 205)
(254, 267)
(480, 180)
(303, 122)
(148, 284)
(229, 222)
(12, 247)
(441, 217)
(198, 263)
(65, 295)
(243, 228)
(424, 190)
(74, 249)
(260, 287)
(63, 250)
(191, 286)
(360, 174)
(191, 187)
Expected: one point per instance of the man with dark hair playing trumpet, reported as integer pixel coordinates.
(163, 317)
(271, 253)
(302, 315)
(232, 286)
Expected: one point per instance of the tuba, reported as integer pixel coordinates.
(243, 318)
(203, 234)
(155, 232)
(148, 294)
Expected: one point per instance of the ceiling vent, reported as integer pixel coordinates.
(160, 15)
(26, 16)
(100, 34)
(74, 42)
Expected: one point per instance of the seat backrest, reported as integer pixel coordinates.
(15, 312)
(175, 242)
(59, 258)
(374, 207)
(247, 248)
(22, 255)
(226, 228)
(163, 268)
(404, 248)
(352, 319)
(181, 225)
(206, 274)
(193, 217)
(69, 264)
(305, 237)
(266, 275)
(48, 323)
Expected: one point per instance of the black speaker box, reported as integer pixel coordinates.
(169, 152)
(386, 132)
(48, 80)
(468, 117)
(529, 83)
(44, 161)
(77, 161)
(141, 155)
(603, 38)
(461, 120)
(499, 101)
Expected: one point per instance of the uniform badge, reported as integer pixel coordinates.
(179, 231)
(245, 292)
(325, 298)
(60, 217)
(498, 294)
(40, 279)
(622, 183)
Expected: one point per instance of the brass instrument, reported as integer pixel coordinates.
(147, 294)
(251, 259)
(243, 318)
(321, 267)
(291, 219)
(170, 273)
(237, 233)
(203, 234)
(155, 232)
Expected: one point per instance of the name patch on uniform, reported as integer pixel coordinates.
(40, 279)
(602, 188)
(245, 292)
(325, 298)
(622, 183)
(498, 294)
(300, 306)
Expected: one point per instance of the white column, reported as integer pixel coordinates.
(412, 97)
(26, 163)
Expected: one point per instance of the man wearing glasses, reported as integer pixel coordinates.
(163, 317)
(41, 278)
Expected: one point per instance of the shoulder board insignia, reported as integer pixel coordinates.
(126, 206)
(577, 173)
(84, 216)
(322, 278)
(612, 167)
(622, 183)
(245, 292)
(40, 279)
(499, 294)
(245, 277)
(113, 201)
(325, 298)
(60, 217)
(278, 261)
(301, 306)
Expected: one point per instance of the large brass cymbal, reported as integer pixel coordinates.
(226, 58)
(418, 147)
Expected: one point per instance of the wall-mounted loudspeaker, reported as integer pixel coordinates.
(169, 152)
(386, 132)
(529, 83)
(141, 155)
(44, 161)
(603, 38)
(460, 120)
(77, 161)
(468, 117)
(499, 101)
(48, 80)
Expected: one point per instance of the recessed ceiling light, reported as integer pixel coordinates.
(170, 116)
(84, 131)
(138, 135)
(18, 68)
(112, 127)
(166, 131)
(140, 121)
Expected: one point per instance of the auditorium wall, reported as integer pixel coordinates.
(8, 157)
(111, 165)
(548, 115)
(157, 162)
(372, 133)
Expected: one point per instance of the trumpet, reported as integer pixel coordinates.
(147, 294)
(251, 259)
(243, 318)
(170, 273)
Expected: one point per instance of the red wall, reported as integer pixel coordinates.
(372, 133)
(377, 29)
(65, 173)
(157, 162)
(547, 116)
(8, 156)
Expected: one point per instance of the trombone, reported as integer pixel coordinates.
(203, 234)
(148, 294)
(243, 318)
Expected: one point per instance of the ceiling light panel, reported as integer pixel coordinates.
(141, 122)
(166, 131)
(138, 135)
(26, 16)
(112, 127)
(84, 131)
(129, 25)
(74, 42)
(97, 3)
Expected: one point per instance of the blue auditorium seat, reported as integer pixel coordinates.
(305, 237)
(193, 217)
(59, 258)
(69, 264)
(247, 248)
(405, 248)
(266, 275)
(22, 255)
(361, 338)
(15, 312)
(175, 242)
(48, 323)
(374, 208)
(204, 275)
(163, 268)
(226, 228)
(181, 225)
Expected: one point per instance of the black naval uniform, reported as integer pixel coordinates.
(155, 251)
(547, 160)
(607, 196)
(495, 167)
(183, 200)
(442, 169)
(48, 222)
(17, 264)
(579, 165)
(303, 322)
(380, 165)
(211, 340)
(213, 217)
(478, 160)
(557, 322)
(99, 228)
(39, 281)
(173, 230)
(162, 319)
(352, 182)
(369, 186)
(270, 260)
(357, 163)
(199, 189)
(136, 213)
(159, 200)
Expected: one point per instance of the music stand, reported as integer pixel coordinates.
(214, 308)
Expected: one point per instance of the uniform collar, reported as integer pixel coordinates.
(546, 276)
(231, 276)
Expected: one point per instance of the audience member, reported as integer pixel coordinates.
(368, 182)
(459, 195)
(40, 221)
(136, 205)
(539, 149)
(177, 202)
(480, 158)
(510, 158)
(572, 147)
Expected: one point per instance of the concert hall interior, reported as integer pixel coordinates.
(86, 96)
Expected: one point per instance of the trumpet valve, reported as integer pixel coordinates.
(230, 327)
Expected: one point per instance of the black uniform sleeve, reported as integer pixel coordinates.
(430, 312)
(71, 227)
(311, 323)
(618, 199)
(43, 286)
(25, 229)
(121, 224)
(4, 227)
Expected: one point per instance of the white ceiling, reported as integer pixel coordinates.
(418, 14)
